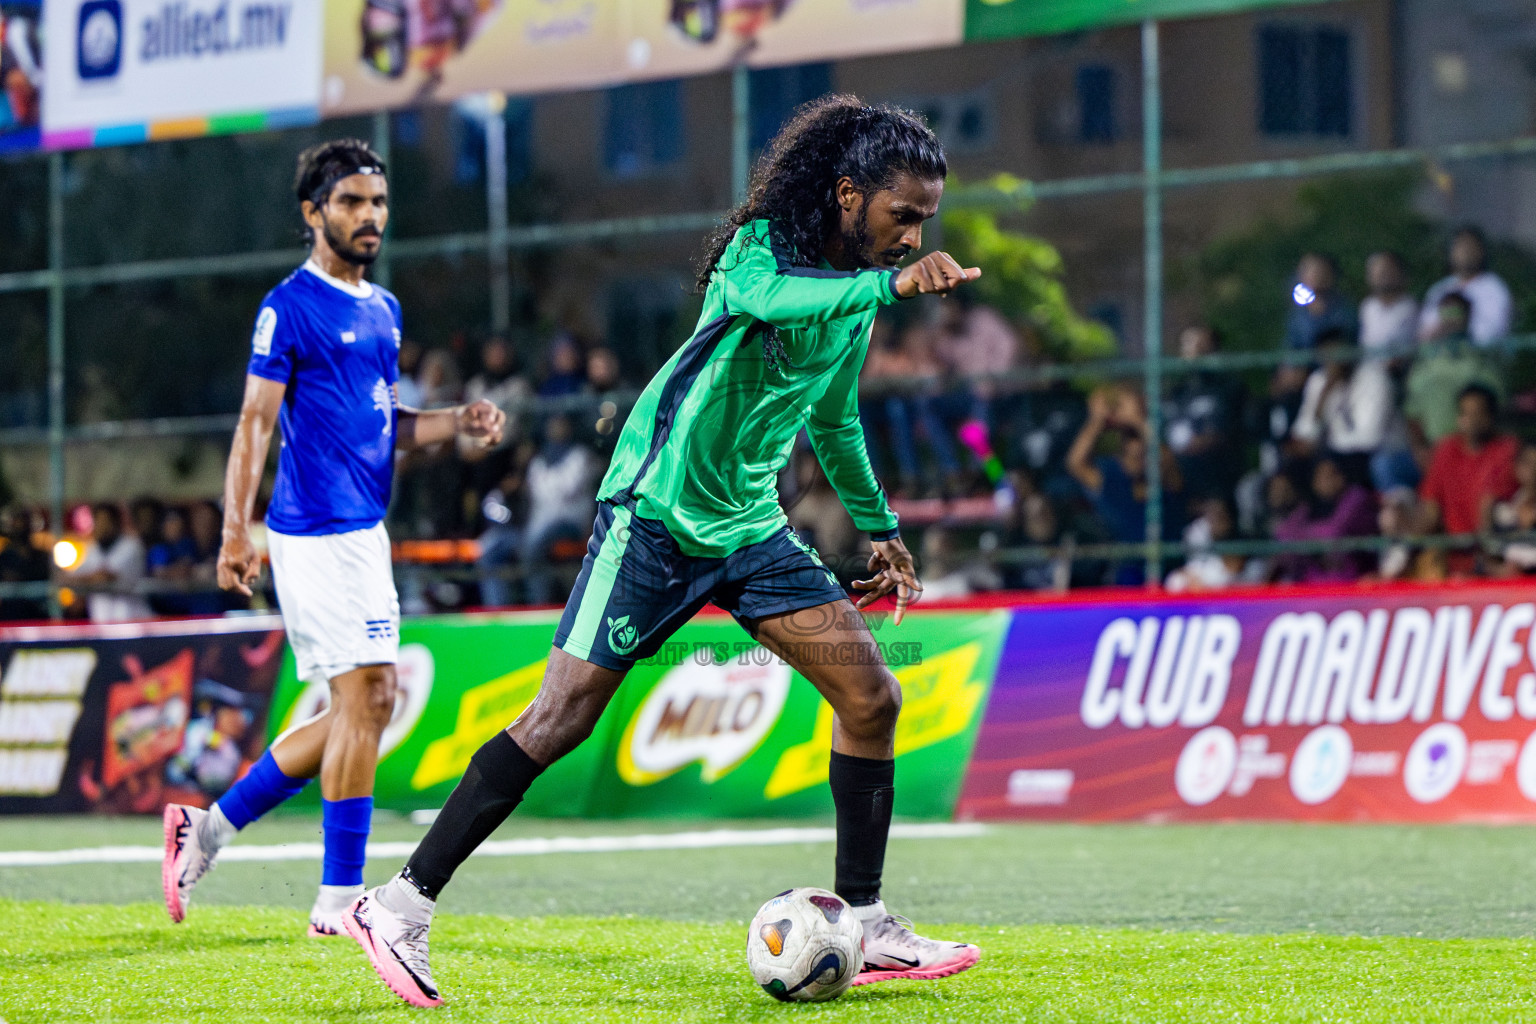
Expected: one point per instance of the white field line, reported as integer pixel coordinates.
(703, 840)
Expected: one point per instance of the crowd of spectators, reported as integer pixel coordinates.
(120, 565)
(1385, 426)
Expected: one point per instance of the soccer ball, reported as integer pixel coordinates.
(805, 945)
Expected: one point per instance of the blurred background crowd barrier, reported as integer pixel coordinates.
(1260, 280)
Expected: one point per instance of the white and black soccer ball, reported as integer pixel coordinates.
(805, 945)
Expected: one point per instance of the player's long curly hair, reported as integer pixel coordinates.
(794, 185)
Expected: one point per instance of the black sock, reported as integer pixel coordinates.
(862, 790)
(499, 774)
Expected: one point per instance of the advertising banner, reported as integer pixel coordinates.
(21, 74)
(713, 726)
(1008, 19)
(1359, 704)
(123, 71)
(388, 53)
(122, 719)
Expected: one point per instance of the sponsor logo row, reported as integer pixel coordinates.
(1216, 762)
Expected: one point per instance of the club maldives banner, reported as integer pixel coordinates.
(1391, 704)
(122, 719)
(713, 726)
(387, 53)
(121, 71)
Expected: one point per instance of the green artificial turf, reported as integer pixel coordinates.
(128, 964)
(1250, 922)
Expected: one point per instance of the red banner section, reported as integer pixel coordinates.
(1360, 704)
(122, 719)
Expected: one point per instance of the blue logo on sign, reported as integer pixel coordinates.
(99, 42)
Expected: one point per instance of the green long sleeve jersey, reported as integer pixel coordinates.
(704, 445)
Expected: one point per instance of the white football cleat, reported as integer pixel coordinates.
(185, 861)
(396, 943)
(893, 950)
(323, 925)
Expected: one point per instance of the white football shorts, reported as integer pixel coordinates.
(337, 595)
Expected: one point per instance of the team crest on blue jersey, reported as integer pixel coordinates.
(383, 400)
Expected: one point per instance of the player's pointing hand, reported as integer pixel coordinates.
(934, 274)
(483, 420)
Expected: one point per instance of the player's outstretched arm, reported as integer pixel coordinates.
(421, 428)
(239, 565)
(756, 282)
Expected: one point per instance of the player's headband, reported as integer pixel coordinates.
(322, 191)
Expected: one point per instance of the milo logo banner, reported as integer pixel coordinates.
(1363, 704)
(713, 726)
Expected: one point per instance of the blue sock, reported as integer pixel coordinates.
(263, 788)
(346, 825)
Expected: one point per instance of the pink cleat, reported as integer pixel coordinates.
(185, 861)
(396, 944)
(892, 950)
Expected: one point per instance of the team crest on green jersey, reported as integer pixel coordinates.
(622, 637)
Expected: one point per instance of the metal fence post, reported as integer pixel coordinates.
(381, 266)
(1152, 257)
(56, 359)
(496, 211)
(741, 132)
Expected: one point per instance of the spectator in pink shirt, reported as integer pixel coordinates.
(1336, 509)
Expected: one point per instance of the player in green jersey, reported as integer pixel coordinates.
(688, 514)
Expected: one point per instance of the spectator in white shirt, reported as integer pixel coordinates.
(114, 560)
(1350, 410)
(1492, 308)
(1389, 315)
(562, 485)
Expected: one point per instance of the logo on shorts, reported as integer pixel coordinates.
(622, 637)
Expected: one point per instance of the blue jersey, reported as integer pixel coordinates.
(337, 347)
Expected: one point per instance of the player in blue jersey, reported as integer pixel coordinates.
(324, 364)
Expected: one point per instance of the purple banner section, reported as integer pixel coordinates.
(1389, 703)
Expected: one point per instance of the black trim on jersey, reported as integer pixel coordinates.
(789, 269)
(687, 370)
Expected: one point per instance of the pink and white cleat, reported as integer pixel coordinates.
(185, 862)
(324, 926)
(892, 950)
(393, 932)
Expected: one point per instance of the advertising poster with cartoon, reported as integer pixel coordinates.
(391, 53)
(1357, 704)
(21, 74)
(92, 720)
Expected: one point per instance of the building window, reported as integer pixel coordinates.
(470, 141)
(1096, 122)
(644, 129)
(1306, 81)
(776, 92)
(965, 122)
(519, 120)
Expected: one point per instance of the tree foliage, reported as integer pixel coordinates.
(1023, 278)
